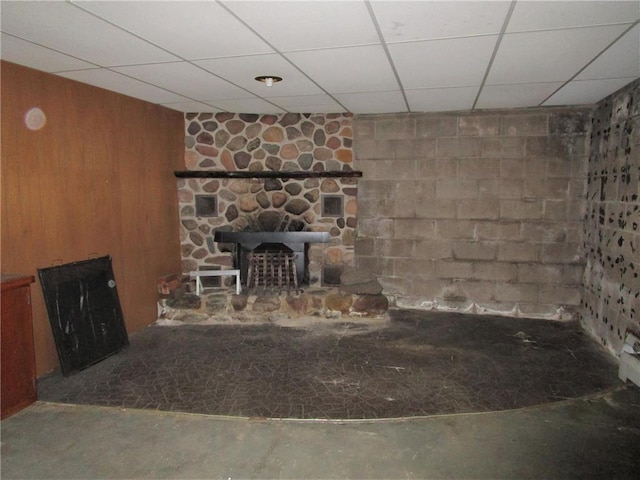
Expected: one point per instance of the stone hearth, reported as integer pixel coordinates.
(270, 307)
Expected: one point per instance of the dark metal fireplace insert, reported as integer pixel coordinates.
(297, 242)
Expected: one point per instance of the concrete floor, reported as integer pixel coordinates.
(591, 437)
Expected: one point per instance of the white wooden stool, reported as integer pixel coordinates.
(215, 273)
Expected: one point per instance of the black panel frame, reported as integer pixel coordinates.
(84, 312)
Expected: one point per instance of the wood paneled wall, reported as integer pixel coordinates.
(96, 180)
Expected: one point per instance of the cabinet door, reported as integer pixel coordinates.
(18, 363)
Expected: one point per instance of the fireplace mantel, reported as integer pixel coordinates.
(262, 174)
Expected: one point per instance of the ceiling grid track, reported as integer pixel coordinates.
(507, 18)
(387, 53)
(637, 22)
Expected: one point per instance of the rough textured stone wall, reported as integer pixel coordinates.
(256, 143)
(612, 233)
(480, 212)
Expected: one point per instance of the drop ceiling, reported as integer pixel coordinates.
(334, 56)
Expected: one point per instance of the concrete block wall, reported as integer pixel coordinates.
(474, 211)
(611, 296)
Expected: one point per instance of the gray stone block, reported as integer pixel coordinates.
(481, 209)
(479, 125)
(436, 126)
(525, 124)
(458, 147)
(474, 250)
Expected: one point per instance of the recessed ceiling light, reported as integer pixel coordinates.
(269, 80)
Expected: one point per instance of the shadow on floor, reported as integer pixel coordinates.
(418, 363)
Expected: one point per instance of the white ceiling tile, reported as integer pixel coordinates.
(622, 59)
(373, 102)
(514, 96)
(536, 15)
(343, 70)
(308, 24)
(185, 79)
(69, 30)
(189, 107)
(248, 105)
(441, 99)
(304, 100)
(34, 56)
(188, 29)
(443, 63)
(115, 82)
(548, 56)
(409, 21)
(585, 92)
(243, 70)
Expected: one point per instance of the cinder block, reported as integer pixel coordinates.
(495, 271)
(393, 248)
(458, 147)
(476, 291)
(498, 230)
(453, 269)
(537, 273)
(518, 252)
(414, 267)
(560, 294)
(394, 170)
(415, 228)
(376, 227)
(572, 274)
(479, 168)
(481, 209)
(425, 288)
(456, 188)
(374, 149)
(512, 167)
(456, 229)
(535, 167)
(558, 167)
(555, 209)
(364, 128)
(437, 168)
(419, 148)
(479, 125)
(516, 292)
(498, 147)
(561, 253)
(569, 122)
(524, 124)
(436, 126)
(436, 209)
(474, 250)
(520, 209)
(547, 232)
(546, 188)
(395, 128)
(432, 249)
(500, 188)
(364, 247)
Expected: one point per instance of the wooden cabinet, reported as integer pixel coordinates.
(18, 358)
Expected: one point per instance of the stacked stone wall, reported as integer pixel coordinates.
(268, 143)
(474, 211)
(611, 297)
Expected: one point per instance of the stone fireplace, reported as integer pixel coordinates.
(269, 173)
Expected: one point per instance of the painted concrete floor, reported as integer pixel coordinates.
(596, 437)
(550, 401)
(419, 363)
